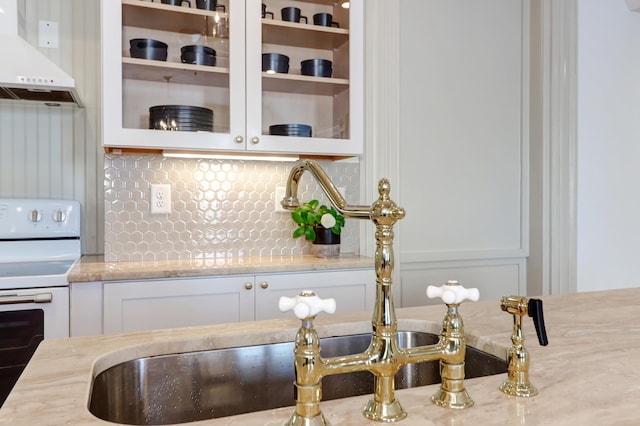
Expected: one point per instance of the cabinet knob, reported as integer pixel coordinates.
(248, 286)
(255, 140)
(264, 285)
(239, 139)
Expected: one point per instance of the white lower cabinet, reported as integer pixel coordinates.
(127, 306)
(354, 290)
(153, 304)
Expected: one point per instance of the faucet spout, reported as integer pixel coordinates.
(291, 202)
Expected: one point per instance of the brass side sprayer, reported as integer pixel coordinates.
(517, 383)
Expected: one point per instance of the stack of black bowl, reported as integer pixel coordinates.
(302, 130)
(198, 55)
(185, 118)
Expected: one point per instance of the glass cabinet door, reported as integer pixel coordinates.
(168, 74)
(305, 76)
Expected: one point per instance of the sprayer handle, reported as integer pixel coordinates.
(535, 311)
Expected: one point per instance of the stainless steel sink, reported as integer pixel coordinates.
(181, 388)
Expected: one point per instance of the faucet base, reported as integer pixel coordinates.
(452, 399)
(297, 420)
(384, 412)
(518, 389)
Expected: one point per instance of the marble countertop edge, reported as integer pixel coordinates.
(94, 268)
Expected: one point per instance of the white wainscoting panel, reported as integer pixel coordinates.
(464, 129)
(494, 279)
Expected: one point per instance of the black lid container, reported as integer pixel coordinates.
(316, 67)
(146, 48)
(275, 62)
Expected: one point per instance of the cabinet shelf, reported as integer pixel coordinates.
(291, 83)
(178, 19)
(303, 35)
(144, 69)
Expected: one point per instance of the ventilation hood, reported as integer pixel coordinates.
(25, 73)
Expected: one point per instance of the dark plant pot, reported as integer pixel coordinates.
(325, 236)
(327, 244)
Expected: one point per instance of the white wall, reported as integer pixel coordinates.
(608, 145)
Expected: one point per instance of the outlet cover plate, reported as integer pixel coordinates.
(48, 34)
(160, 202)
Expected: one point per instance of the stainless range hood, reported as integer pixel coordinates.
(25, 73)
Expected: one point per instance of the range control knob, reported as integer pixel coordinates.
(59, 216)
(35, 216)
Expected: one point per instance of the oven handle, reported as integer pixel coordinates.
(29, 298)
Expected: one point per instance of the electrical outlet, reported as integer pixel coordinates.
(160, 199)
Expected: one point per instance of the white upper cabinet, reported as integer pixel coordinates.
(245, 100)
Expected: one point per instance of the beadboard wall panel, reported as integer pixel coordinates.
(53, 152)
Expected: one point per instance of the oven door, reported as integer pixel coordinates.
(48, 306)
(26, 318)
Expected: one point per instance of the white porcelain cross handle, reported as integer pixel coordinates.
(453, 293)
(306, 304)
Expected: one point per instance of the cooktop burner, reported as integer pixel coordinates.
(32, 269)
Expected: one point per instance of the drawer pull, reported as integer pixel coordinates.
(248, 286)
(264, 285)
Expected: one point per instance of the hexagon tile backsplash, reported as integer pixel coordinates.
(220, 208)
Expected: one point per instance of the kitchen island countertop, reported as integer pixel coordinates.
(587, 375)
(94, 268)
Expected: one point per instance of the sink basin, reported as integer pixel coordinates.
(181, 388)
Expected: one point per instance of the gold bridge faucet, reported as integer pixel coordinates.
(384, 357)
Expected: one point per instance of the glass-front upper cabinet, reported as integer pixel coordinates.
(305, 76)
(173, 74)
(197, 75)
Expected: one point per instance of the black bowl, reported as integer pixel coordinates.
(146, 48)
(316, 67)
(275, 62)
(198, 54)
(302, 130)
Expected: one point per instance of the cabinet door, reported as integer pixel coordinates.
(132, 85)
(353, 290)
(333, 106)
(147, 305)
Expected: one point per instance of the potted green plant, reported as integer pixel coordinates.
(321, 225)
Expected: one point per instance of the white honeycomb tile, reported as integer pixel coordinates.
(220, 208)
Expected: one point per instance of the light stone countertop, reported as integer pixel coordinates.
(587, 375)
(94, 268)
